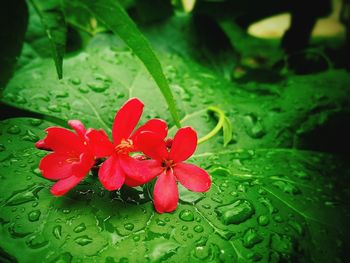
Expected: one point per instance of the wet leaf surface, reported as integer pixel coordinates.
(266, 205)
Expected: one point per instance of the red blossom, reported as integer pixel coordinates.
(114, 172)
(72, 156)
(169, 166)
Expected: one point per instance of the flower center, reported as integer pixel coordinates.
(167, 164)
(124, 147)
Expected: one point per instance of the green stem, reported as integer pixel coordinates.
(218, 127)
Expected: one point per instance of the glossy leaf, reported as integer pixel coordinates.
(264, 204)
(111, 14)
(52, 18)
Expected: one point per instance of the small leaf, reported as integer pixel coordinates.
(52, 18)
(113, 16)
(227, 131)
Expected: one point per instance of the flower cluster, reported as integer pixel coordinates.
(73, 154)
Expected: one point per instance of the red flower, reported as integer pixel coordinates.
(72, 158)
(114, 171)
(169, 166)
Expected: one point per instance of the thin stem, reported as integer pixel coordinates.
(221, 115)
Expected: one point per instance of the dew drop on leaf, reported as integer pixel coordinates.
(34, 215)
(54, 108)
(129, 226)
(57, 231)
(79, 228)
(83, 240)
(251, 238)
(24, 196)
(263, 220)
(75, 81)
(14, 129)
(186, 215)
(36, 241)
(236, 212)
(198, 229)
(83, 89)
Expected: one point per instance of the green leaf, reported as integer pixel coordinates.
(266, 205)
(114, 17)
(52, 18)
(227, 130)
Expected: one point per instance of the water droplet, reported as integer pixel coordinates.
(220, 171)
(66, 211)
(136, 238)
(36, 122)
(83, 240)
(39, 96)
(251, 238)
(36, 241)
(186, 215)
(14, 129)
(16, 230)
(160, 222)
(83, 89)
(24, 196)
(263, 220)
(184, 228)
(61, 94)
(198, 229)
(129, 226)
(54, 108)
(236, 212)
(34, 215)
(79, 228)
(253, 126)
(267, 203)
(30, 136)
(57, 231)
(75, 81)
(98, 86)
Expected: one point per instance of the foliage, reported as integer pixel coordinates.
(270, 202)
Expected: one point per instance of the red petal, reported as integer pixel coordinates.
(152, 145)
(156, 126)
(192, 177)
(64, 185)
(111, 174)
(64, 141)
(79, 128)
(41, 145)
(165, 193)
(126, 119)
(55, 166)
(140, 172)
(183, 145)
(99, 143)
